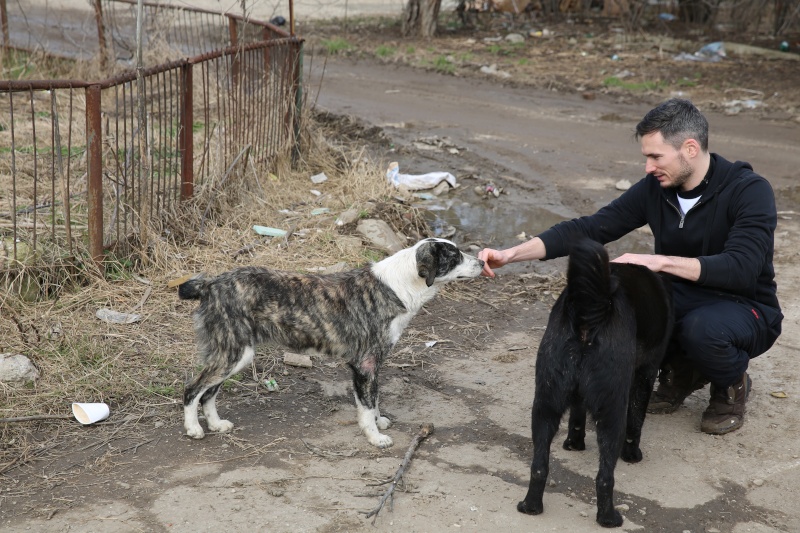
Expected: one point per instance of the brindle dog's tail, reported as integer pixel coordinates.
(589, 288)
(193, 289)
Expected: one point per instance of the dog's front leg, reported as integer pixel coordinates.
(365, 390)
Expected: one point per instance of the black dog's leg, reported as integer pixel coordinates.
(610, 434)
(642, 386)
(365, 389)
(576, 435)
(544, 424)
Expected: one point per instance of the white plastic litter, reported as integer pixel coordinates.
(416, 182)
(115, 317)
(710, 53)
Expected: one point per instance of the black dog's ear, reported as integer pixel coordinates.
(428, 262)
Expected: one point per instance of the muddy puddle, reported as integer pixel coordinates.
(486, 220)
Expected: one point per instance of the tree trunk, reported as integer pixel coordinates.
(420, 18)
(695, 11)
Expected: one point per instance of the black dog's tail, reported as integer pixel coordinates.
(193, 289)
(589, 288)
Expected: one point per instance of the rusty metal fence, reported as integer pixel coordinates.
(82, 163)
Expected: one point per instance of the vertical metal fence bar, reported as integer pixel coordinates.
(119, 172)
(265, 92)
(222, 104)
(297, 92)
(205, 69)
(277, 86)
(13, 176)
(167, 135)
(270, 83)
(268, 75)
(67, 184)
(127, 192)
(147, 175)
(287, 78)
(94, 192)
(160, 151)
(53, 147)
(132, 156)
(186, 130)
(170, 136)
(35, 171)
(137, 165)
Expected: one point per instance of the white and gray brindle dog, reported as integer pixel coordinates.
(357, 315)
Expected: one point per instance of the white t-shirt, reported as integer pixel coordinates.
(687, 203)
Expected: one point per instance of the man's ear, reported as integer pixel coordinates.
(692, 147)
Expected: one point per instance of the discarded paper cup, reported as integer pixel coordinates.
(89, 413)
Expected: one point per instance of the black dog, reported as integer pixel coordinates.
(601, 352)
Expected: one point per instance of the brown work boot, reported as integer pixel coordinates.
(674, 385)
(725, 411)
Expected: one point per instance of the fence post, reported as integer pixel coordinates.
(186, 135)
(233, 28)
(101, 32)
(94, 193)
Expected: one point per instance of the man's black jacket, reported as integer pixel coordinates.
(730, 230)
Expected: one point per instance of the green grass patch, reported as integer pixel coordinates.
(336, 45)
(385, 51)
(505, 49)
(162, 390)
(232, 381)
(75, 151)
(444, 65)
(613, 81)
(372, 256)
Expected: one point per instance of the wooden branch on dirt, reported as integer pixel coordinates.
(33, 417)
(425, 430)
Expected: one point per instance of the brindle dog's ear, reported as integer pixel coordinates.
(428, 261)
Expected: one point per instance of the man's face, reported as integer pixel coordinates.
(668, 164)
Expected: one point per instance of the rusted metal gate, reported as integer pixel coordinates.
(73, 169)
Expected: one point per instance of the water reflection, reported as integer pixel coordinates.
(487, 221)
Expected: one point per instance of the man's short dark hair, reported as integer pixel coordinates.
(676, 120)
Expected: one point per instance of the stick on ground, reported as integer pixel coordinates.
(425, 430)
(33, 417)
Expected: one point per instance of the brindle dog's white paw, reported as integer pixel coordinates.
(383, 422)
(381, 441)
(223, 426)
(196, 432)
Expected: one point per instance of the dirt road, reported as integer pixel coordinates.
(296, 461)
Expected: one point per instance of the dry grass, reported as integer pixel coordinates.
(139, 368)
